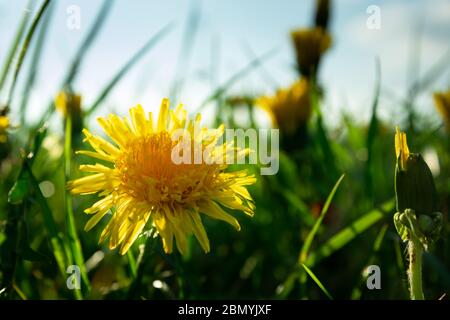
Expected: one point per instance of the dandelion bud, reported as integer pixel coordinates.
(414, 182)
(415, 194)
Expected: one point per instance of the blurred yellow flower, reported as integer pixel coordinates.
(442, 102)
(290, 107)
(144, 183)
(67, 102)
(310, 44)
(4, 125)
(401, 148)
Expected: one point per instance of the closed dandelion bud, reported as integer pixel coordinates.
(416, 196)
(415, 187)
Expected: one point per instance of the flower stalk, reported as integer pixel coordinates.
(415, 250)
(417, 221)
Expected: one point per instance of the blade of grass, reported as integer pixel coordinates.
(34, 63)
(134, 59)
(74, 241)
(237, 76)
(15, 44)
(132, 264)
(323, 143)
(372, 132)
(317, 281)
(88, 41)
(185, 53)
(349, 233)
(24, 48)
(309, 239)
(79, 56)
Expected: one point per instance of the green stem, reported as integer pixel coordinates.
(74, 242)
(415, 250)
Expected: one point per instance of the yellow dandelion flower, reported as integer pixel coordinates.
(290, 107)
(4, 125)
(442, 102)
(68, 103)
(401, 148)
(143, 184)
(310, 44)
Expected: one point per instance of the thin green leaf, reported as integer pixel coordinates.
(237, 76)
(24, 48)
(349, 233)
(79, 56)
(132, 264)
(29, 83)
(317, 281)
(186, 47)
(88, 41)
(134, 59)
(15, 44)
(312, 233)
(373, 130)
(74, 241)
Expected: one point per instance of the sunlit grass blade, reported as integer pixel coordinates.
(317, 281)
(24, 49)
(134, 59)
(80, 54)
(373, 131)
(74, 241)
(255, 63)
(186, 47)
(36, 57)
(309, 239)
(15, 44)
(88, 41)
(321, 137)
(132, 264)
(349, 233)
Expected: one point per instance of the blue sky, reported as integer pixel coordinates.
(232, 27)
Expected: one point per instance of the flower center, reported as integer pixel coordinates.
(148, 173)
